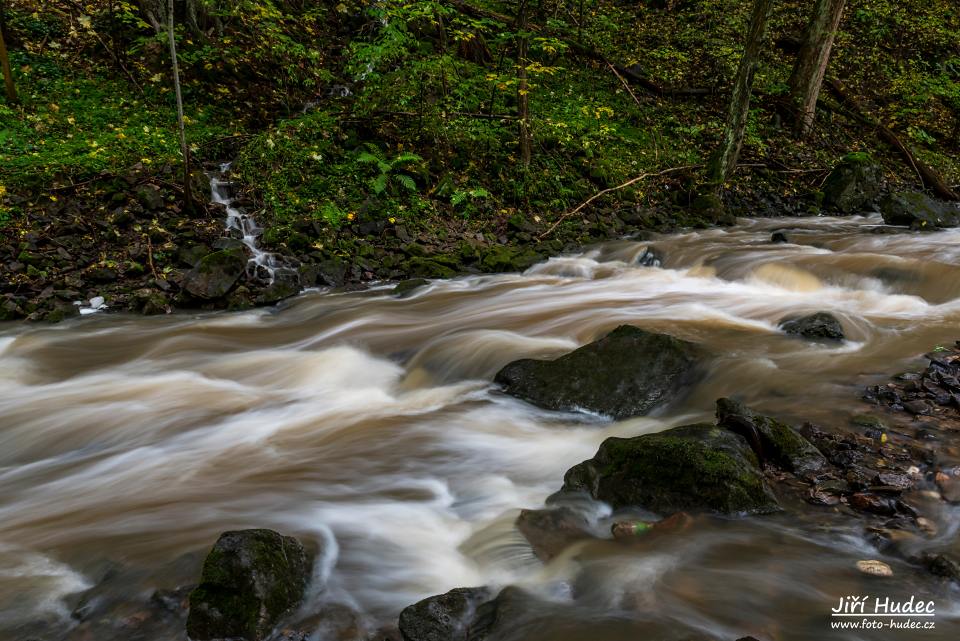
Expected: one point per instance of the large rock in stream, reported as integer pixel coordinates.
(626, 373)
(918, 211)
(250, 580)
(853, 185)
(699, 468)
(772, 441)
(216, 273)
(818, 326)
(445, 617)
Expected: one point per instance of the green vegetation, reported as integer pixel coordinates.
(356, 122)
(327, 88)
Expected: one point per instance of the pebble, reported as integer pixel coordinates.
(927, 526)
(949, 487)
(874, 567)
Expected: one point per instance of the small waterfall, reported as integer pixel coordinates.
(241, 225)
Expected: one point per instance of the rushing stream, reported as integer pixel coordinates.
(367, 424)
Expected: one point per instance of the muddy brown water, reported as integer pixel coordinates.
(367, 424)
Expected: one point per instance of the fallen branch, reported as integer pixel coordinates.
(626, 85)
(153, 267)
(928, 176)
(604, 192)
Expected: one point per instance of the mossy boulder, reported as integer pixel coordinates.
(445, 617)
(285, 283)
(216, 274)
(918, 211)
(700, 468)
(626, 373)
(149, 302)
(772, 441)
(502, 258)
(250, 580)
(818, 326)
(149, 197)
(853, 185)
(427, 268)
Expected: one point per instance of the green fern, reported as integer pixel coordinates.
(390, 169)
(407, 182)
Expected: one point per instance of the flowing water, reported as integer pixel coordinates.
(262, 264)
(366, 425)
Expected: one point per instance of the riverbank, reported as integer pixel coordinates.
(128, 242)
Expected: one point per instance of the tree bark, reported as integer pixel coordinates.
(811, 65)
(184, 149)
(7, 72)
(725, 159)
(523, 89)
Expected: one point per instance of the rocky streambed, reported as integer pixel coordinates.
(717, 446)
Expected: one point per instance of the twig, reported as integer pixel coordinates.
(153, 267)
(623, 80)
(604, 192)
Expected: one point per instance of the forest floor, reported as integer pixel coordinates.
(383, 146)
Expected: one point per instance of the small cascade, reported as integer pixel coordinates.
(242, 226)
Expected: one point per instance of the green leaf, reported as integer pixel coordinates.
(407, 182)
(380, 184)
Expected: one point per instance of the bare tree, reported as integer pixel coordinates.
(811, 64)
(523, 88)
(184, 149)
(5, 62)
(725, 160)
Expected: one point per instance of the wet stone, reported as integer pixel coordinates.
(873, 503)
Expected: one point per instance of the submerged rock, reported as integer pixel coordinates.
(550, 532)
(853, 185)
(406, 287)
(690, 468)
(496, 618)
(626, 373)
(917, 210)
(216, 273)
(250, 580)
(819, 326)
(771, 440)
(445, 617)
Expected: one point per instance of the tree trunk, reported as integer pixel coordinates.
(811, 64)
(725, 159)
(523, 89)
(7, 72)
(184, 149)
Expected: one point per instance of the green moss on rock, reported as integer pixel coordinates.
(691, 468)
(918, 211)
(777, 442)
(250, 580)
(216, 273)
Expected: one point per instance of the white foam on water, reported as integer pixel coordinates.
(33, 586)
